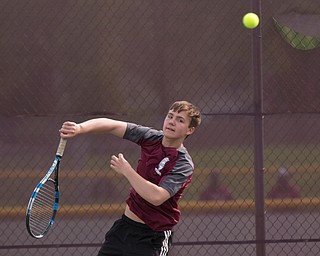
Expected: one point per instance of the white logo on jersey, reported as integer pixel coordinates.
(161, 165)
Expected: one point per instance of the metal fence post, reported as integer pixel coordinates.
(258, 132)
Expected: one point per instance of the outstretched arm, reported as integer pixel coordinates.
(98, 125)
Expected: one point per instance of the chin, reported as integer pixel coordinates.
(169, 135)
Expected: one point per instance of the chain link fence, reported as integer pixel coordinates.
(129, 60)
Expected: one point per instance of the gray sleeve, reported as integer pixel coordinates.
(137, 133)
(176, 179)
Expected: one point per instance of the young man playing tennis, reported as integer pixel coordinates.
(164, 170)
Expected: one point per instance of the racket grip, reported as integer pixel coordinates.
(62, 145)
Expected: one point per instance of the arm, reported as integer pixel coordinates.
(98, 125)
(150, 192)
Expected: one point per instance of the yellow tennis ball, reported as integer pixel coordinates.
(250, 20)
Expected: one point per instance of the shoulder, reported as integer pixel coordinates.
(138, 133)
(184, 159)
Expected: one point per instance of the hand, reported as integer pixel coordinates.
(69, 129)
(120, 164)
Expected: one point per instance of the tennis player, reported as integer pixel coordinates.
(164, 170)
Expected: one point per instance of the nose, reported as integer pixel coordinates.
(172, 121)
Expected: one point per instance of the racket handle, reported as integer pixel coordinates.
(62, 145)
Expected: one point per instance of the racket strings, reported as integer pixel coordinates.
(43, 208)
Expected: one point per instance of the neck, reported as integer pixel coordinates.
(172, 143)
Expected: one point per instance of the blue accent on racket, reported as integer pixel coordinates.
(44, 201)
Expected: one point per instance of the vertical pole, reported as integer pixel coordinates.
(258, 132)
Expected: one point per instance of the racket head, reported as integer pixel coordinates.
(42, 208)
(43, 204)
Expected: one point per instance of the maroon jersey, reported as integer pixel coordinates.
(167, 167)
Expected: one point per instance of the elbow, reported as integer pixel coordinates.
(160, 198)
(157, 202)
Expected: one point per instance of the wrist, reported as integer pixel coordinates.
(129, 173)
(80, 129)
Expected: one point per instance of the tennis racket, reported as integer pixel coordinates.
(43, 203)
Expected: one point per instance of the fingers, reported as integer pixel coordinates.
(113, 161)
(68, 129)
(118, 158)
(116, 161)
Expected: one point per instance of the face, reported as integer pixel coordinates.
(176, 125)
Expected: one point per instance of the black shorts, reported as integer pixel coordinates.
(129, 238)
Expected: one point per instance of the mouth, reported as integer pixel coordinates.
(170, 129)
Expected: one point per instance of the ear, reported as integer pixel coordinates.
(191, 130)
